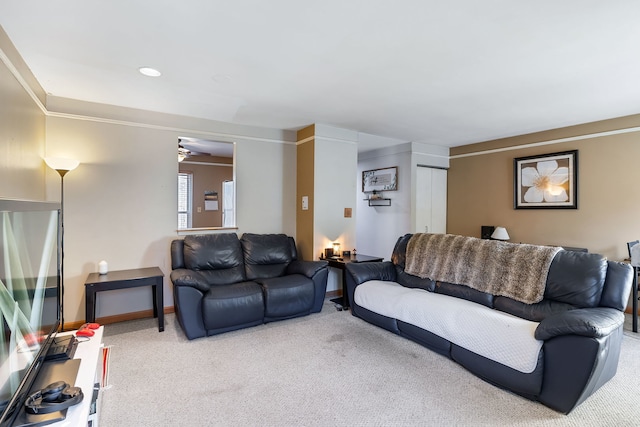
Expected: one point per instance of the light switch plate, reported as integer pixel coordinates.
(305, 203)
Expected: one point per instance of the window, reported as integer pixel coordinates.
(228, 204)
(185, 197)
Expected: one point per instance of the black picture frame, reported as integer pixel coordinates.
(385, 179)
(546, 181)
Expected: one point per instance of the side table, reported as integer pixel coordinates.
(341, 263)
(122, 279)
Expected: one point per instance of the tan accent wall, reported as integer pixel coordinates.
(480, 188)
(305, 187)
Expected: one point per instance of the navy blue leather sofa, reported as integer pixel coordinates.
(576, 330)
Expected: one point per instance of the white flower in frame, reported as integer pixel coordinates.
(545, 182)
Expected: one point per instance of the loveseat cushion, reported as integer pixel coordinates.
(576, 278)
(227, 306)
(266, 255)
(287, 296)
(217, 256)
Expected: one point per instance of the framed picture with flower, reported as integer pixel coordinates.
(547, 181)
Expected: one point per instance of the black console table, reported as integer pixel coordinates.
(123, 279)
(341, 263)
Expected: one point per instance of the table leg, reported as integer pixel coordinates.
(158, 304)
(345, 296)
(90, 305)
(154, 291)
(634, 299)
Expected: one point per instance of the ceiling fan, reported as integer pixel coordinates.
(185, 153)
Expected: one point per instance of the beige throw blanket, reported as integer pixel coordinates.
(513, 270)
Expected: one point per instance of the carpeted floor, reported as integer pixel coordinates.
(325, 369)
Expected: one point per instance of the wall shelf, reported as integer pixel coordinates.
(379, 202)
(376, 199)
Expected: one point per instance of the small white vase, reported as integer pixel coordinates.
(103, 268)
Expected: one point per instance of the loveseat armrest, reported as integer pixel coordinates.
(306, 268)
(190, 278)
(317, 271)
(595, 322)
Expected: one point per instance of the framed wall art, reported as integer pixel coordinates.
(380, 180)
(547, 181)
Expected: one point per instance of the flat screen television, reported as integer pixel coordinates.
(29, 296)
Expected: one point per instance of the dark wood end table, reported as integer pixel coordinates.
(341, 263)
(123, 279)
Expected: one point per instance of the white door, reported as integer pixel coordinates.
(431, 200)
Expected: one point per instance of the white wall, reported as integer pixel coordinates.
(378, 228)
(336, 157)
(120, 203)
(22, 131)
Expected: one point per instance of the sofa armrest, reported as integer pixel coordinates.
(588, 322)
(306, 268)
(364, 271)
(191, 278)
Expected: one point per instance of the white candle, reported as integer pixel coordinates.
(103, 267)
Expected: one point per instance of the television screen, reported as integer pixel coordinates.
(29, 296)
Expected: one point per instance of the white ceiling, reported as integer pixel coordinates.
(439, 72)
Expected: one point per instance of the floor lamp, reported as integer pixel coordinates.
(62, 166)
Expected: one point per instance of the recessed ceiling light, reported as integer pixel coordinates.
(148, 71)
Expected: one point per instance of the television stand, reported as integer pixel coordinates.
(50, 372)
(87, 372)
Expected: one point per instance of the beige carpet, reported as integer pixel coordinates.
(326, 369)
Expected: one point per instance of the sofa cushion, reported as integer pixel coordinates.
(411, 281)
(399, 255)
(266, 255)
(534, 312)
(614, 294)
(287, 296)
(464, 292)
(217, 256)
(576, 278)
(498, 336)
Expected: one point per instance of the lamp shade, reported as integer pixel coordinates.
(336, 249)
(500, 233)
(61, 164)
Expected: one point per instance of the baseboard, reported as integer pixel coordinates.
(332, 294)
(118, 318)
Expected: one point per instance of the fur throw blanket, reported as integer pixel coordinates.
(513, 270)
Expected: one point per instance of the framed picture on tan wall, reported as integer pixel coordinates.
(547, 181)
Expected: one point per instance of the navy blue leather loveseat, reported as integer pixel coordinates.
(222, 283)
